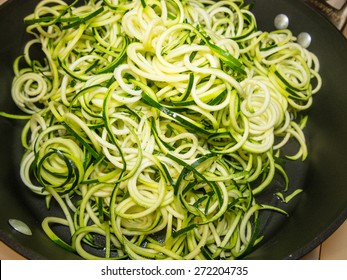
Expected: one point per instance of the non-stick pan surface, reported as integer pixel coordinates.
(318, 211)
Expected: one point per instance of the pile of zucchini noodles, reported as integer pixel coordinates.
(154, 124)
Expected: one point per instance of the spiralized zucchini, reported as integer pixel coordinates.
(155, 124)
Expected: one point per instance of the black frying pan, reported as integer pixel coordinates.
(319, 211)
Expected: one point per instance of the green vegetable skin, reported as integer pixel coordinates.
(159, 118)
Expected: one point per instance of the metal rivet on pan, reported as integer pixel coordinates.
(304, 39)
(281, 21)
(20, 226)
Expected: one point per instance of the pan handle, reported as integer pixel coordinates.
(338, 17)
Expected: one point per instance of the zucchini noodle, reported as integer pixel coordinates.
(155, 124)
